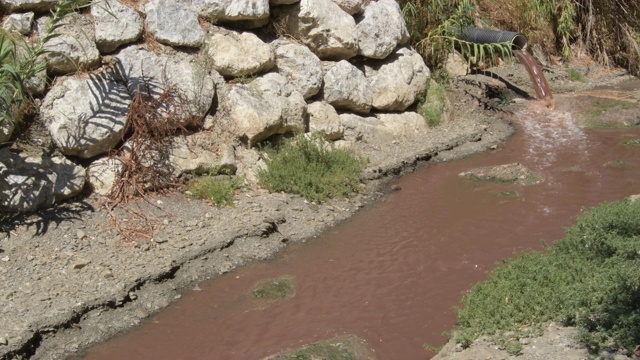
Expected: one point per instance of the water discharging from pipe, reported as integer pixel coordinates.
(540, 85)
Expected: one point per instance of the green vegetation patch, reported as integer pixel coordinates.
(575, 75)
(589, 279)
(433, 103)
(279, 288)
(632, 143)
(311, 168)
(217, 189)
(344, 347)
(621, 164)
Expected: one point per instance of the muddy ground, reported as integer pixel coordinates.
(69, 280)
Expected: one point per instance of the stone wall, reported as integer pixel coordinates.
(244, 71)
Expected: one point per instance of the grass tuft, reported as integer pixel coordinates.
(311, 168)
(279, 288)
(432, 104)
(217, 189)
(632, 143)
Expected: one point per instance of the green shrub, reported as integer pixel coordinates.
(311, 168)
(589, 279)
(575, 75)
(432, 105)
(217, 189)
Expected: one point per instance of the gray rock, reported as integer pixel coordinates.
(189, 77)
(267, 106)
(238, 53)
(455, 65)
(383, 128)
(173, 24)
(6, 130)
(115, 25)
(321, 25)
(396, 81)
(230, 10)
(86, 116)
(28, 183)
(75, 46)
(21, 23)
(29, 5)
(324, 118)
(103, 174)
(381, 29)
(346, 87)
(199, 153)
(301, 67)
(350, 6)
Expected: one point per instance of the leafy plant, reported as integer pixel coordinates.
(311, 168)
(589, 279)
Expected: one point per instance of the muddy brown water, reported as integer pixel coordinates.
(393, 273)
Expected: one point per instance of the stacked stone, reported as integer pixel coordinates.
(337, 66)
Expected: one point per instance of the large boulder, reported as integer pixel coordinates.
(230, 10)
(351, 7)
(396, 81)
(301, 67)
(346, 87)
(321, 25)
(20, 23)
(265, 107)
(173, 24)
(115, 25)
(187, 78)
(28, 5)
(28, 183)
(238, 53)
(103, 174)
(383, 128)
(381, 28)
(74, 47)
(200, 153)
(86, 116)
(325, 119)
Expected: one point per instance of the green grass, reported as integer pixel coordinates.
(324, 351)
(632, 143)
(217, 189)
(621, 164)
(575, 75)
(279, 288)
(432, 104)
(589, 279)
(311, 168)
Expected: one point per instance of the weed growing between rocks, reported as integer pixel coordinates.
(217, 189)
(311, 168)
(432, 104)
(589, 279)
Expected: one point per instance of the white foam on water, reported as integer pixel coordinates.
(549, 132)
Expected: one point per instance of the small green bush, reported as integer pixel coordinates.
(589, 279)
(311, 168)
(217, 189)
(575, 75)
(432, 105)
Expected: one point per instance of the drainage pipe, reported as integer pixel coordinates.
(488, 36)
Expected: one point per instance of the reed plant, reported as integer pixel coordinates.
(20, 62)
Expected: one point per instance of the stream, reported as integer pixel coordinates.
(394, 272)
